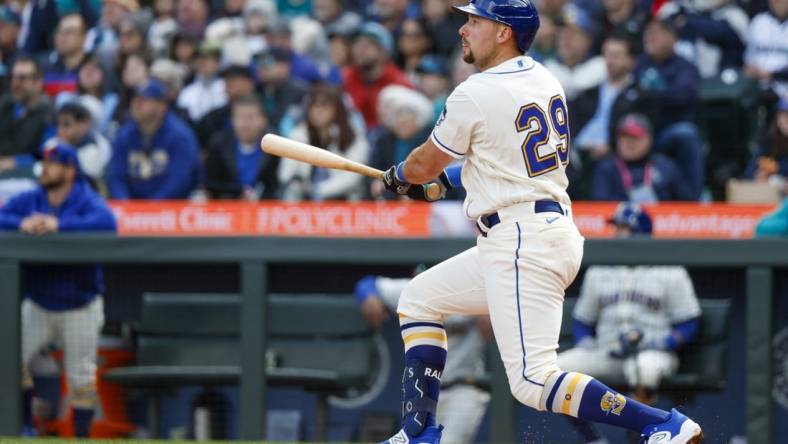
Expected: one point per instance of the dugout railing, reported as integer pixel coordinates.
(254, 256)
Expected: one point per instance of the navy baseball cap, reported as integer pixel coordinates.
(154, 89)
(64, 154)
(8, 15)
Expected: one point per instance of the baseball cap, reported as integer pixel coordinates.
(378, 33)
(235, 69)
(128, 5)
(64, 154)
(433, 64)
(154, 89)
(210, 48)
(635, 125)
(572, 15)
(272, 55)
(8, 15)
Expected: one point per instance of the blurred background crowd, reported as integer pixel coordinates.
(168, 99)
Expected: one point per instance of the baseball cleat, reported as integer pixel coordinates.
(678, 429)
(430, 435)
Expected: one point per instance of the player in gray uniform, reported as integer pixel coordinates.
(462, 404)
(629, 321)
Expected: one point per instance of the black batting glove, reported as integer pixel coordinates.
(393, 184)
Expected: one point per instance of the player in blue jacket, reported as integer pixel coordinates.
(61, 303)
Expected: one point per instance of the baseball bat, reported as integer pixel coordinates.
(284, 147)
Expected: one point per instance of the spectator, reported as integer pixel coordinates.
(711, 34)
(414, 42)
(9, 33)
(544, 46)
(594, 113)
(443, 25)
(462, 404)
(391, 14)
(625, 17)
(303, 68)
(184, 47)
(41, 18)
(206, 93)
(92, 87)
(675, 84)
(102, 39)
(74, 128)
(238, 82)
(432, 77)
(155, 154)
(131, 32)
(134, 73)
(636, 174)
(163, 28)
(236, 167)
(280, 90)
(60, 72)
(192, 16)
(258, 17)
(339, 44)
(61, 302)
(577, 68)
(771, 159)
(406, 122)
(371, 70)
(766, 56)
(333, 17)
(24, 115)
(629, 322)
(327, 124)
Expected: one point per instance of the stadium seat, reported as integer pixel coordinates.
(194, 339)
(703, 363)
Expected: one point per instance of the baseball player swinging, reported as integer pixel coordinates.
(509, 124)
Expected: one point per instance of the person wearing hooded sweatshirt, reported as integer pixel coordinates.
(62, 303)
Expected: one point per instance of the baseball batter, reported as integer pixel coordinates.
(63, 303)
(509, 124)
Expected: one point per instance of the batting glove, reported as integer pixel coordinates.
(394, 183)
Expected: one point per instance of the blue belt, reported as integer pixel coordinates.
(540, 206)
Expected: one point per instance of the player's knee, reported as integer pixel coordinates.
(412, 302)
(84, 397)
(528, 386)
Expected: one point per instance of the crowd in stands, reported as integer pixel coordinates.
(168, 99)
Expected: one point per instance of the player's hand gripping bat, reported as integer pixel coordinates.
(291, 149)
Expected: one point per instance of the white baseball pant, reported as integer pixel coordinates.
(76, 330)
(645, 369)
(517, 275)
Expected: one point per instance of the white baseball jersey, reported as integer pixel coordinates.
(510, 125)
(618, 299)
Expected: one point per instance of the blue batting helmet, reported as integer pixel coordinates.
(632, 215)
(520, 15)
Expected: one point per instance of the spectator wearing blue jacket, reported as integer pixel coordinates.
(155, 154)
(675, 84)
(634, 173)
(62, 303)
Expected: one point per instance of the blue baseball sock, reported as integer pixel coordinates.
(582, 396)
(425, 357)
(82, 420)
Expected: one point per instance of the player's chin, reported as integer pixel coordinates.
(467, 55)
